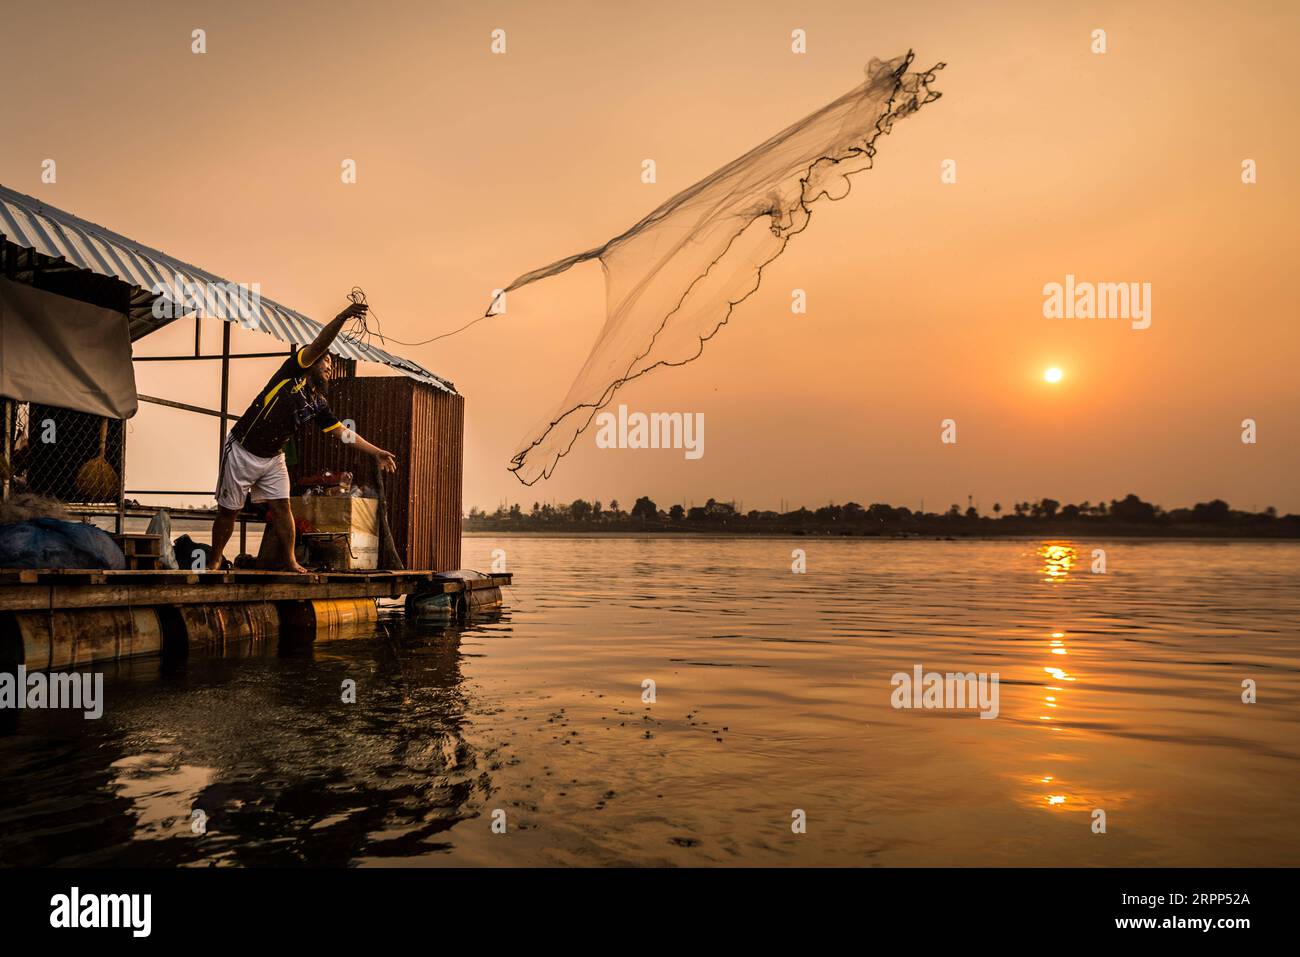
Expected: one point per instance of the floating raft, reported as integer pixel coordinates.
(70, 619)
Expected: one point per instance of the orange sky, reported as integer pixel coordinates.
(925, 299)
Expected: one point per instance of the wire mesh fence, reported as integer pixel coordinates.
(74, 457)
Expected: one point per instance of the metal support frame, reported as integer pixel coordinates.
(233, 355)
(8, 449)
(183, 406)
(225, 384)
(119, 520)
(223, 413)
(10, 271)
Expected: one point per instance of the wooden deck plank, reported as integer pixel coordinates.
(358, 573)
(39, 590)
(39, 597)
(61, 575)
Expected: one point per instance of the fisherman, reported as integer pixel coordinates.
(253, 458)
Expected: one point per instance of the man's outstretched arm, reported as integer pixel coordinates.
(385, 460)
(321, 344)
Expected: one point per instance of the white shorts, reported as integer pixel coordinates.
(242, 471)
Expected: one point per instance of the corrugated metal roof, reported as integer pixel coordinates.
(32, 224)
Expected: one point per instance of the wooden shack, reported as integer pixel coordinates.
(423, 426)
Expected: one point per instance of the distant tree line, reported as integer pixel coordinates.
(1129, 515)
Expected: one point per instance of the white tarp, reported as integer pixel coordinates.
(58, 351)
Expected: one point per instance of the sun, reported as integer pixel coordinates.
(1053, 375)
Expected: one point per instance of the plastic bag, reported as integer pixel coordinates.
(161, 525)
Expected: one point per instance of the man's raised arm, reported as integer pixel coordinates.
(320, 345)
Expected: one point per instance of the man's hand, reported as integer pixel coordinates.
(320, 345)
(386, 461)
(351, 312)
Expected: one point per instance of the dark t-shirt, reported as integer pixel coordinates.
(286, 402)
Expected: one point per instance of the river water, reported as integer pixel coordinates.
(771, 738)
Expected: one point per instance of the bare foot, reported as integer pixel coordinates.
(298, 569)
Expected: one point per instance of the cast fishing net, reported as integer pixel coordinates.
(673, 279)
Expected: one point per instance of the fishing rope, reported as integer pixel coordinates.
(361, 331)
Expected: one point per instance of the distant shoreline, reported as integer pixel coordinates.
(1129, 517)
(1074, 532)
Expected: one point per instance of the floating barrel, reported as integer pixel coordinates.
(481, 600)
(330, 620)
(435, 605)
(78, 637)
(472, 600)
(228, 628)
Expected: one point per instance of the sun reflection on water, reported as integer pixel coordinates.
(1049, 791)
(1058, 559)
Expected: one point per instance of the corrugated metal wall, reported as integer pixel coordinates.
(422, 426)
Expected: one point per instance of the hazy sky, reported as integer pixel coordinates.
(924, 298)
